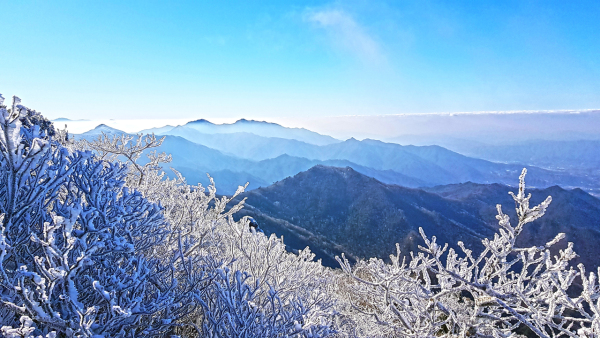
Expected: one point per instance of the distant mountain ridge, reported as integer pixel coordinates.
(102, 128)
(335, 210)
(244, 144)
(409, 166)
(194, 161)
(260, 128)
(320, 204)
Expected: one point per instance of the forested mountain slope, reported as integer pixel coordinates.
(338, 210)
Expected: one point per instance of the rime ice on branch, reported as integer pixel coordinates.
(72, 239)
(93, 247)
(440, 292)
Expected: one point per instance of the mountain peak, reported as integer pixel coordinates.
(361, 216)
(325, 173)
(103, 128)
(330, 169)
(203, 121)
(262, 128)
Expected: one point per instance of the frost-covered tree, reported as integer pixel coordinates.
(73, 240)
(235, 309)
(503, 290)
(209, 241)
(112, 148)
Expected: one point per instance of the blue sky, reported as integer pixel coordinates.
(145, 59)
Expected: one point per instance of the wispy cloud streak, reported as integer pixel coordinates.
(345, 32)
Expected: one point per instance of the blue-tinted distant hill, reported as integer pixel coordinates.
(99, 130)
(158, 131)
(244, 144)
(430, 165)
(435, 165)
(260, 128)
(194, 161)
(285, 166)
(391, 163)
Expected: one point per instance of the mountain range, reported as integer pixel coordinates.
(194, 161)
(239, 157)
(430, 165)
(335, 210)
(362, 197)
(260, 128)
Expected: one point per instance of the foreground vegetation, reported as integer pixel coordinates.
(93, 243)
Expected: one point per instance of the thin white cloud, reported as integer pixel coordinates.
(345, 32)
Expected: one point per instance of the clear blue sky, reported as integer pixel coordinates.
(177, 59)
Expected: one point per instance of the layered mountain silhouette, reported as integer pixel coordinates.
(194, 161)
(259, 128)
(335, 210)
(429, 165)
(245, 144)
(409, 166)
(577, 155)
(363, 197)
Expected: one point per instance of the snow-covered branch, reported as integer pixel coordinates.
(504, 289)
